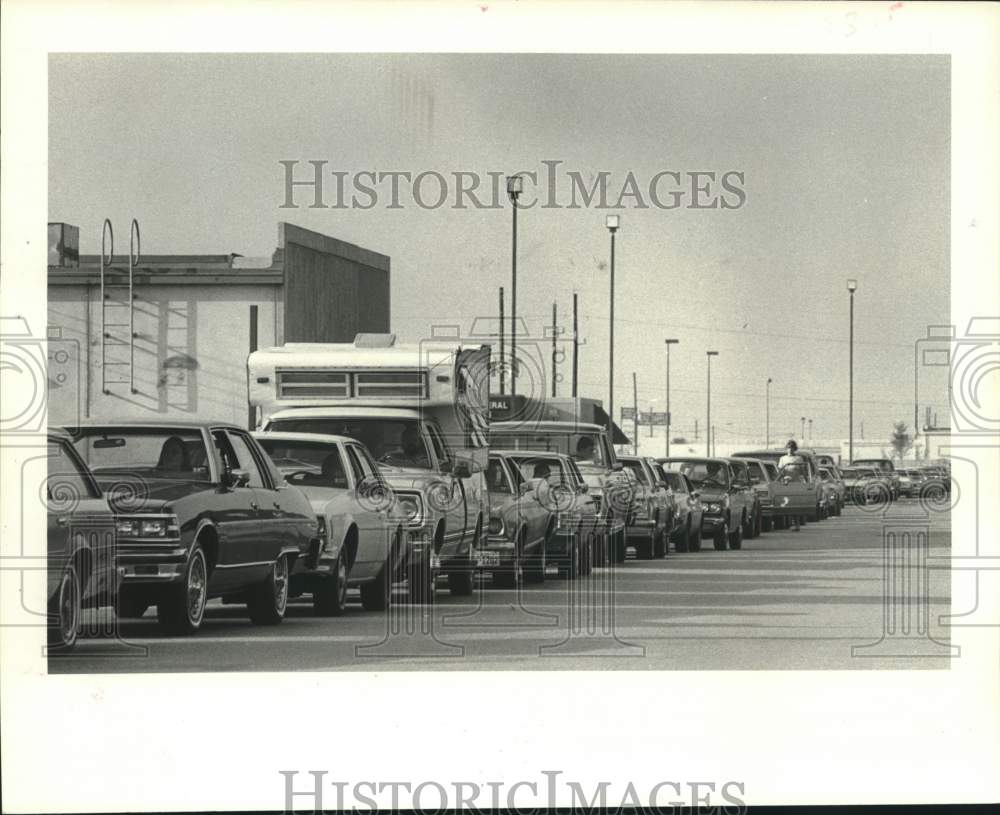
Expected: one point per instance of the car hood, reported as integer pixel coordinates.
(710, 495)
(145, 495)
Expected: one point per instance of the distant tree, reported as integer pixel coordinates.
(901, 440)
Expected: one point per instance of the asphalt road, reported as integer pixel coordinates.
(848, 593)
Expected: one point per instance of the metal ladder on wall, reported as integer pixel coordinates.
(118, 326)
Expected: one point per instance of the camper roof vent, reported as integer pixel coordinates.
(374, 340)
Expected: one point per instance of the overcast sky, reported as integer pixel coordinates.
(846, 174)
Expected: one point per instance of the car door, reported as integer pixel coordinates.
(368, 492)
(458, 513)
(246, 552)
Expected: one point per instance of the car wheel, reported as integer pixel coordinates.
(683, 541)
(766, 524)
(420, 583)
(619, 547)
(183, 610)
(269, 598)
(376, 595)
(645, 548)
(736, 538)
(534, 565)
(65, 610)
(661, 545)
(330, 596)
(721, 537)
(463, 583)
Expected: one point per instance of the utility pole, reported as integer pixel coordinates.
(767, 414)
(810, 430)
(668, 343)
(503, 361)
(802, 428)
(713, 440)
(576, 345)
(555, 330)
(635, 407)
(708, 417)
(696, 430)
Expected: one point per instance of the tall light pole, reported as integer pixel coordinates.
(515, 185)
(612, 223)
(767, 414)
(810, 430)
(802, 428)
(708, 420)
(668, 343)
(852, 286)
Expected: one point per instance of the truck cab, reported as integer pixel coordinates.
(416, 408)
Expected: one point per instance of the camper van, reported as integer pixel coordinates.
(422, 411)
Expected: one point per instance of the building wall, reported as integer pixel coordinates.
(190, 352)
(333, 290)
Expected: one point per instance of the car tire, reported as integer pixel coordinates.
(268, 600)
(645, 548)
(721, 538)
(183, 609)
(620, 547)
(420, 583)
(463, 583)
(376, 595)
(736, 537)
(766, 524)
(758, 523)
(330, 595)
(661, 544)
(506, 577)
(587, 556)
(534, 565)
(682, 541)
(65, 610)
(694, 541)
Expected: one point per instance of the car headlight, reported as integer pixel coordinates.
(163, 526)
(412, 507)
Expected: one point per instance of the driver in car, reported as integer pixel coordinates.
(411, 452)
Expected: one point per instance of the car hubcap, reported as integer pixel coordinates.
(280, 583)
(196, 588)
(68, 620)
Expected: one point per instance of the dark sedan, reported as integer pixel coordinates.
(202, 513)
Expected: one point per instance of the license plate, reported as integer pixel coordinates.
(489, 558)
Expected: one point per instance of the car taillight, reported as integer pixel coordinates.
(496, 525)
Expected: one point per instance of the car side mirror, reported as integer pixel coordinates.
(236, 478)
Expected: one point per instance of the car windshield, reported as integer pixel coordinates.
(705, 473)
(756, 474)
(674, 481)
(874, 463)
(391, 441)
(545, 467)
(583, 447)
(855, 472)
(176, 453)
(636, 468)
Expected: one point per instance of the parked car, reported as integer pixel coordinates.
(687, 530)
(726, 504)
(797, 490)
(652, 516)
(202, 513)
(519, 525)
(885, 467)
(753, 518)
(764, 482)
(81, 567)
(865, 485)
(834, 482)
(559, 486)
(829, 502)
(936, 483)
(910, 482)
(362, 541)
(589, 446)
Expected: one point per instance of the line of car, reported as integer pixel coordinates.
(175, 514)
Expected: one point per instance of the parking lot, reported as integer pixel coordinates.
(788, 600)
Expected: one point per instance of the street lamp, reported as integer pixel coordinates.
(612, 223)
(802, 429)
(515, 185)
(708, 422)
(810, 430)
(852, 286)
(668, 343)
(767, 414)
